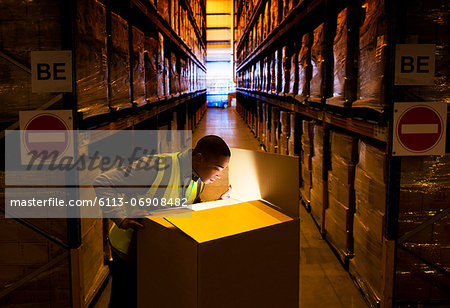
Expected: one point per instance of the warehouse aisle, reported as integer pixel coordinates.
(323, 281)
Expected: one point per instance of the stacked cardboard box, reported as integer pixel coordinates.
(424, 192)
(341, 202)
(317, 65)
(368, 224)
(306, 155)
(317, 192)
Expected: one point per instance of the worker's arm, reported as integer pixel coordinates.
(130, 180)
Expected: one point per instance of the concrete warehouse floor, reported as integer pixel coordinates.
(323, 280)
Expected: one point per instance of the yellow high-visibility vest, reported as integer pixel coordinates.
(169, 173)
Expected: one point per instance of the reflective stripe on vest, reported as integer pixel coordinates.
(167, 184)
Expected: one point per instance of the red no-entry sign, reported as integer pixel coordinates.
(46, 136)
(419, 128)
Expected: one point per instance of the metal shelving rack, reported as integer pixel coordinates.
(376, 128)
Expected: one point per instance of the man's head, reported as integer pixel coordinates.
(210, 156)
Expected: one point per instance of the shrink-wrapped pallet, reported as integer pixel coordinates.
(91, 58)
(138, 67)
(303, 69)
(174, 15)
(151, 68)
(119, 64)
(163, 9)
(264, 77)
(344, 91)
(167, 75)
(372, 56)
(161, 72)
(424, 192)
(306, 155)
(368, 224)
(266, 19)
(339, 227)
(174, 74)
(291, 145)
(293, 79)
(317, 65)
(285, 70)
(273, 14)
(284, 132)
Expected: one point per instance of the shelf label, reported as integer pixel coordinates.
(414, 64)
(51, 71)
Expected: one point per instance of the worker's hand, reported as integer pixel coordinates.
(227, 194)
(128, 223)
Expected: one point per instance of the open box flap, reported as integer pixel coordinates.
(229, 220)
(272, 177)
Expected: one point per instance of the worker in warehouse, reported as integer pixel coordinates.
(209, 158)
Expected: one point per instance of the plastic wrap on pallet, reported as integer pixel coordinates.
(318, 139)
(266, 26)
(424, 184)
(174, 15)
(373, 161)
(372, 56)
(275, 73)
(342, 169)
(424, 191)
(264, 76)
(343, 145)
(427, 22)
(317, 199)
(167, 75)
(369, 191)
(291, 146)
(160, 67)
(308, 133)
(339, 226)
(305, 191)
(24, 27)
(292, 86)
(151, 68)
(138, 67)
(317, 165)
(273, 14)
(340, 58)
(303, 68)
(366, 265)
(341, 191)
(274, 130)
(120, 63)
(174, 74)
(285, 70)
(163, 9)
(91, 58)
(285, 132)
(317, 64)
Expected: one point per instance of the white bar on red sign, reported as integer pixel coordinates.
(47, 137)
(419, 129)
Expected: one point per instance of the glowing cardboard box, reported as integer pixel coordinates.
(240, 252)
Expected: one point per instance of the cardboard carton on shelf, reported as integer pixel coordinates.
(240, 252)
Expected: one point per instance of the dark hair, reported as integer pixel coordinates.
(212, 146)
